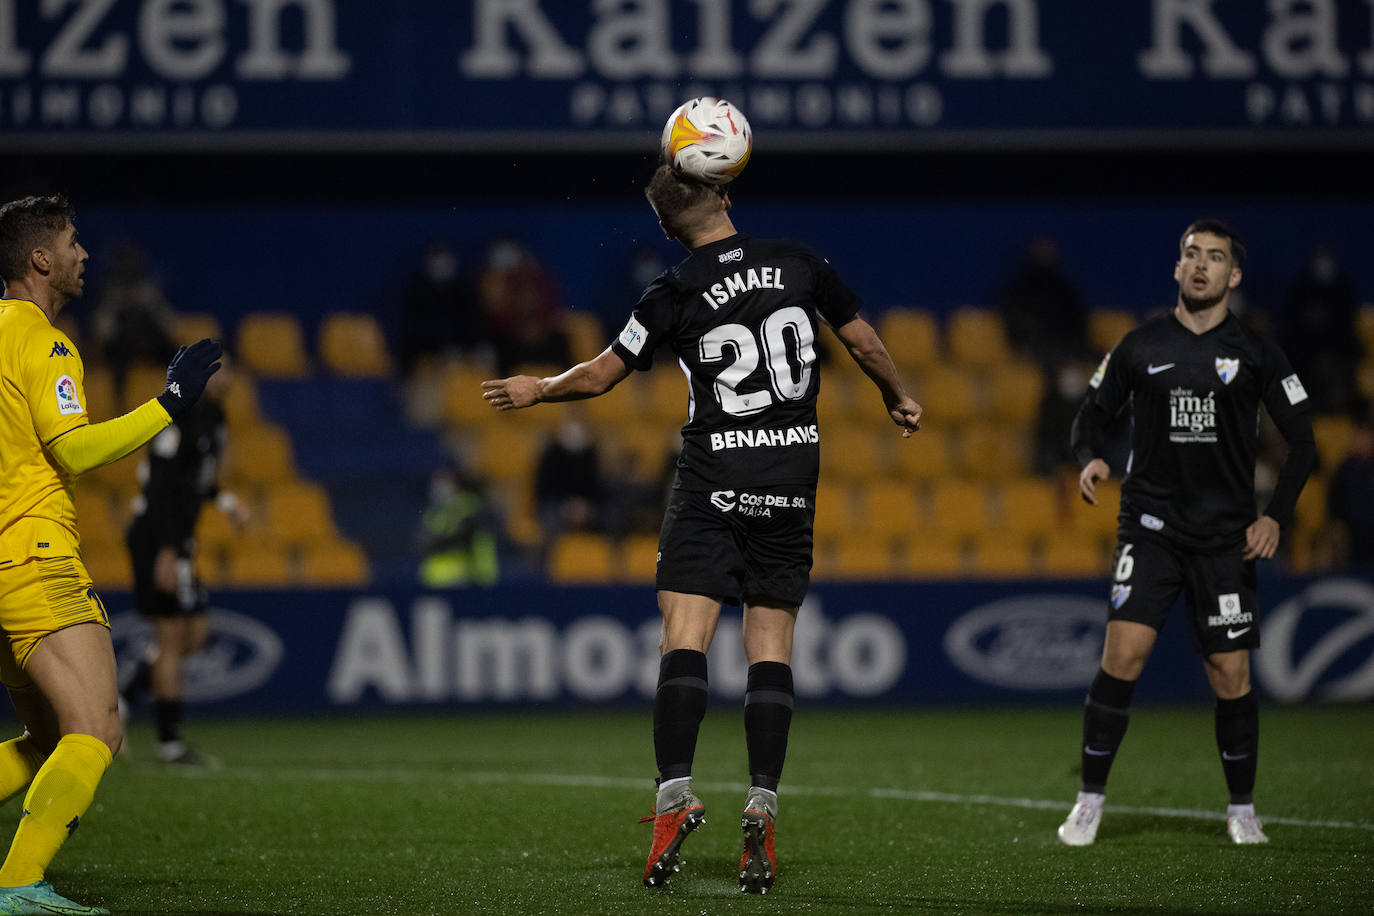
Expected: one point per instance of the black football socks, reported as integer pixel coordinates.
(679, 706)
(768, 701)
(1105, 717)
(1238, 742)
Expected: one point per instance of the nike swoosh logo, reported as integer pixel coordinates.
(1096, 753)
(1232, 634)
(1152, 369)
(1228, 756)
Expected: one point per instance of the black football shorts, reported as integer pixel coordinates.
(188, 600)
(1218, 591)
(752, 544)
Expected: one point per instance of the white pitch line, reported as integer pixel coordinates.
(587, 781)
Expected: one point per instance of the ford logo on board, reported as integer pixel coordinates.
(240, 656)
(1338, 664)
(1045, 642)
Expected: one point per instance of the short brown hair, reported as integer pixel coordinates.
(26, 224)
(1221, 230)
(679, 201)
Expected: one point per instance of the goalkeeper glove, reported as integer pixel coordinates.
(187, 374)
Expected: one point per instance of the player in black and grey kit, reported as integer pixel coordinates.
(180, 474)
(741, 315)
(1193, 381)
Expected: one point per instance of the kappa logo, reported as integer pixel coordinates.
(736, 254)
(1227, 369)
(59, 349)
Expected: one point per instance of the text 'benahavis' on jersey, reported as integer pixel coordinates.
(741, 315)
(1194, 402)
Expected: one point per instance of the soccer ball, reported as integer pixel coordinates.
(707, 139)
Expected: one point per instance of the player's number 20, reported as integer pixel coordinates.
(789, 362)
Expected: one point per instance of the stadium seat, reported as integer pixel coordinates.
(1101, 518)
(1014, 392)
(272, 344)
(623, 407)
(836, 402)
(912, 337)
(639, 557)
(214, 527)
(509, 452)
(108, 565)
(949, 395)
(1029, 506)
(352, 344)
(931, 555)
(463, 405)
(336, 563)
(994, 451)
(1333, 440)
(924, 456)
(977, 337)
(834, 512)
(857, 557)
(259, 564)
(1106, 327)
(890, 508)
(141, 382)
(1076, 555)
(240, 401)
(1000, 555)
(102, 401)
(299, 512)
(119, 475)
(958, 507)
(580, 558)
(260, 454)
(1311, 514)
(586, 337)
(97, 521)
(668, 394)
(189, 327)
(854, 451)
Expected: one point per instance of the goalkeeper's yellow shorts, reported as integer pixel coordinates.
(38, 597)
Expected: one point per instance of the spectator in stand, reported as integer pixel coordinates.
(567, 482)
(132, 324)
(438, 309)
(520, 306)
(1043, 311)
(1319, 333)
(1351, 497)
(457, 533)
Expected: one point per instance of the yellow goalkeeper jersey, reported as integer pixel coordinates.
(42, 399)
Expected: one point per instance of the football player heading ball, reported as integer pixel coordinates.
(707, 139)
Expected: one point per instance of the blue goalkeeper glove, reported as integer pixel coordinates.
(187, 374)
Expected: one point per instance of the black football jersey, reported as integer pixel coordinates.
(741, 315)
(182, 472)
(1194, 402)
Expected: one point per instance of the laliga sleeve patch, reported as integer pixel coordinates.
(1292, 386)
(633, 337)
(67, 402)
(1101, 372)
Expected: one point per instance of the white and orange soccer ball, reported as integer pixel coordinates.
(707, 139)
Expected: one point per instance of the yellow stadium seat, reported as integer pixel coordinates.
(119, 475)
(96, 519)
(580, 558)
(261, 453)
(834, 512)
(1106, 327)
(102, 402)
(912, 337)
(958, 507)
(108, 564)
(853, 451)
(299, 512)
(259, 564)
(836, 402)
(621, 407)
(856, 557)
(189, 327)
(335, 563)
(1311, 514)
(352, 344)
(639, 554)
(272, 344)
(1000, 556)
(240, 401)
(141, 382)
(1101, 518)
(1014, 392)
(214, 527)
(586, 337)
(994, 451)
(1029, 506)
(977, 337)
(463, 404)
(931, 555)
(668, 394)
(924, 456)
(890, 508)
(948, 395)
(509, 452)
(1332, 434)
(1364, 323)
(1075, 554)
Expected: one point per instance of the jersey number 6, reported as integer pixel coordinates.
(789, 361)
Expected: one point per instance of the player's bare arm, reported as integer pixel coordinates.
(1261, 539)
(585, 380)
(868, 351)
(1092, 472)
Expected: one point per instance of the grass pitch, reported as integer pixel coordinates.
(881, 812)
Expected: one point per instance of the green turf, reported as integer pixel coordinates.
(537, 814)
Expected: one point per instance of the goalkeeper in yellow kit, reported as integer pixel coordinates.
(56, 658)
